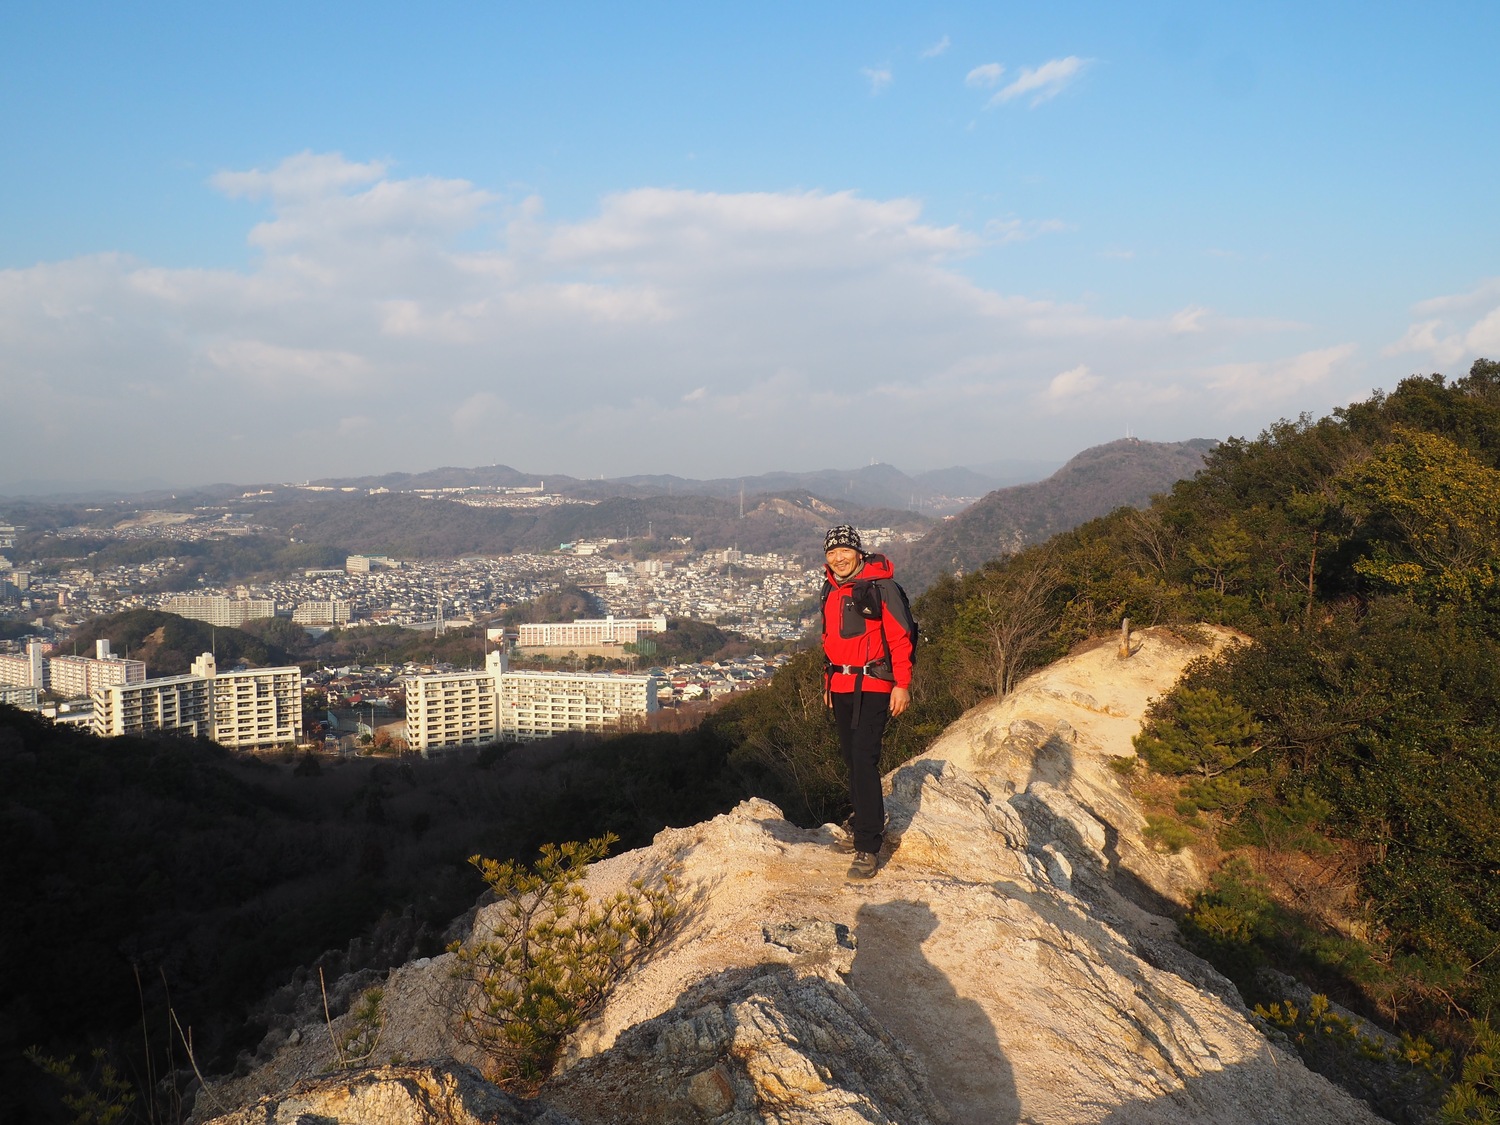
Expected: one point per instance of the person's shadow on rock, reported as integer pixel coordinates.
(917, 1002)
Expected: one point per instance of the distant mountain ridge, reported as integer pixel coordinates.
(878, 485)
(1094, 483)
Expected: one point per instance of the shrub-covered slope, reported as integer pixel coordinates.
(1120, 473)
(1350, 757)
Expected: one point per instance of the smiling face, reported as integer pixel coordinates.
(843, 561)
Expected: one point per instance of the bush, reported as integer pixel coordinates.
(552, 957)
(1475, 1097)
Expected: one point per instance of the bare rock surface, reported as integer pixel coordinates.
(444, 1094)
(1003, 966)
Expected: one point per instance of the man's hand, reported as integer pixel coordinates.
(900, 697)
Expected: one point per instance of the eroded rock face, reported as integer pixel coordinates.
(440, 1094)
(1003, 966)
(760, 1044)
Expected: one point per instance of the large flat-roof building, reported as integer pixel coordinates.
(27, 669)
(541, 704)
(587, 632)
(217, 610)
(254, 708)
(334, 612)
(26, 698)
(452, 709)
(245, 710)
(172, 704)
(468, 708)
(76, 676)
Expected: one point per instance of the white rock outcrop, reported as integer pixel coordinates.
(1006, 964)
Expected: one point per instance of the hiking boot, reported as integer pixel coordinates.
(843, 835)
(864, 866)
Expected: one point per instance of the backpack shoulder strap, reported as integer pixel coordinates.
(895, 600)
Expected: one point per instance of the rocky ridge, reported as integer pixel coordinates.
(1009, 963)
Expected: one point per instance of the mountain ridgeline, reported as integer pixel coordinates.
(1117, 474)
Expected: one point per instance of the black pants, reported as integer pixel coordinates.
(860, 746)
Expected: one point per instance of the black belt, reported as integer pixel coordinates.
(859, 671)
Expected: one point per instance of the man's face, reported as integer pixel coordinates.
(843, 561)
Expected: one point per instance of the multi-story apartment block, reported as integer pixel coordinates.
(256, 707)
(217, 610)
(453, 709)
(244, 710)
(76, 676)
(175, 704)
(541, 704)
(465, 708)
(26, 698)
(323, 613)
(590, 631)
(364, 564)
(24, 670)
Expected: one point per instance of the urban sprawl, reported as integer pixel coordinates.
(420, 707)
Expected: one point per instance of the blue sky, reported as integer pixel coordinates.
(281, 241)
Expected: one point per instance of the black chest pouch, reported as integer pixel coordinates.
(860, 607)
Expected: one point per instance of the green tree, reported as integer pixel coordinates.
(552, 955)
(1432, 513)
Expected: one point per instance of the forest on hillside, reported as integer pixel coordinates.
(1341, 771)
(1338, 773)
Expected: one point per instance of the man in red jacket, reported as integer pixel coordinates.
(867, 650)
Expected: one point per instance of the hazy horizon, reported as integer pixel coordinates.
(1005, 472)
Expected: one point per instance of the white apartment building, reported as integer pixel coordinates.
(176, 704)
(541, 704)
(455, 708)
(24, 670)
(364, 564)
(26, 698)
(76, 676)
(242, 710)
(469, 708)
(323, 613)
(584, 631)
(253, 708)
(217, 610)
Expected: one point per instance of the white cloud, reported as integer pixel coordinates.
(1484, 337)
(1043, 82)
(938, 48)
(1003, 231)
(1483, 296)
(1277, 382)
(1188, 320)
(268, 367)
(985, 77)
(414, 322)
(304, 176)
(1074, 383)
(1454, 327)
(878, 77)
(482, 412)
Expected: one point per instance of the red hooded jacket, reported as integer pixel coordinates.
(852, 638)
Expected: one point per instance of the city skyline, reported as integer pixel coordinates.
(261, 244)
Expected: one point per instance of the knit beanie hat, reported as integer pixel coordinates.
(842, 536)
